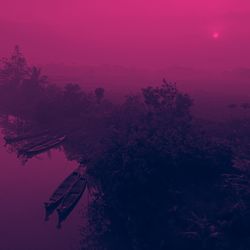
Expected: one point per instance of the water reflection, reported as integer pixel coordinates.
(23, 189)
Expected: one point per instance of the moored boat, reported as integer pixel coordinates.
(44, 147)
(15, 139)
(71, 199)
(58, 195)
(35, 144)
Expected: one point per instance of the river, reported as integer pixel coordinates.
(23, 189)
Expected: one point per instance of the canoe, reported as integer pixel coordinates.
(10, 139)
(58, 195)
(71, 199)
(34, 144)
(44, 147)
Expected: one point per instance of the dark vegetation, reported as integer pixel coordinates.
(160, 178)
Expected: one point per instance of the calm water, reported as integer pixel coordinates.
(23, 189)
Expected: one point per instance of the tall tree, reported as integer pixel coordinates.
(15, 68)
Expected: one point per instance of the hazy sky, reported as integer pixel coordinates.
(145, 33)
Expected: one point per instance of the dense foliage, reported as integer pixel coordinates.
(159, 179)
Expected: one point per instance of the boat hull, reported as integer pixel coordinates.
(57, 197)
(71, 199)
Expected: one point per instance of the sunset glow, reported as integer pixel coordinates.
(126, 32)
(216, 35)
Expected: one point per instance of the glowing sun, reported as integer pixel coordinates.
(216, 35)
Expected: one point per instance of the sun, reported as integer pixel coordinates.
(216, 35)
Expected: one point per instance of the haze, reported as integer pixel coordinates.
(152, 34)
(121, 45)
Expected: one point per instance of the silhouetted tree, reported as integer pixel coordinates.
(155, 174)
(14, 69)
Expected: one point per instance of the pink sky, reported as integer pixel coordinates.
(140, 33)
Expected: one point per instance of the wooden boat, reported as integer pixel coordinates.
(44, 147)
(58, 195)
(34, 144)
(71, 199)
(10, 140)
